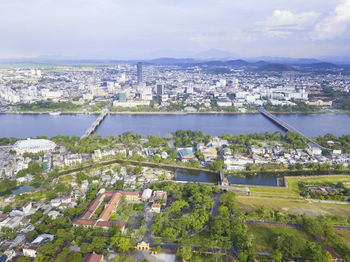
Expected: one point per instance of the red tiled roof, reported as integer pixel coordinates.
(84, 222)
(129, 193)
(109, 224)
(92, 208)
(110, 207)
(93, 258)
(109, 193)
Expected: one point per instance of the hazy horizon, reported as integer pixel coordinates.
(114, 29)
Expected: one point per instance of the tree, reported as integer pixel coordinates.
(287, 244)
(35, 217)
(75, 257)
(184, 252)
(123, 244)
(62, 257)
(169, 234)
(313, 252)
(176, 206)
(173, 155)
(7, 209)
(243, 256)
(216, 165)
(98, 243)
(229, 199)
(31, 235)
(158, 249)
(7, 184)
(48, 249)
(219, 226)
(277, 255)
(86, 248)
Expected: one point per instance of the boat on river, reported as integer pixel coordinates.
(55, 113)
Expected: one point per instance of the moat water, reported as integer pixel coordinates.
(204, 177)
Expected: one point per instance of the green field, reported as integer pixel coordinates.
(344, 234)
(67, 179)
(293, 206)
(293, 191)
(263, 235)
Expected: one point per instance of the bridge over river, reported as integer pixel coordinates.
(288, 127)
(96, 123)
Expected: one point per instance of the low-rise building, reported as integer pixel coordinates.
(33, 146)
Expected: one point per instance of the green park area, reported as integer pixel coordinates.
(289, 240)
(345, 235)
(265, 236)
(293, 189)
(292, 206)
(289, 199)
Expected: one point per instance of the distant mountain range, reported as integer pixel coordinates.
(207, 59)
(289, 65)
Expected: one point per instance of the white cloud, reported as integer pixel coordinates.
(284, 22)
(335, 24)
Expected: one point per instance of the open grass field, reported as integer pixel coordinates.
(293, 191)
(67, 179)
(344, 234)
(293, 206)
(263, 236)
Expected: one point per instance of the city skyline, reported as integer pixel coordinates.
(148, 29)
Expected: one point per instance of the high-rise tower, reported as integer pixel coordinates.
(139, 72)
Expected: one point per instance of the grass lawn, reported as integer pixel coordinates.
(263, 236)
(134, 222)
(67, 179)
(293, 191)
(293, 206)
(344, 234)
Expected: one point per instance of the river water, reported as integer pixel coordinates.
(22, 126)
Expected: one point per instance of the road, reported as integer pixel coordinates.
(216, 198)
(148, 217)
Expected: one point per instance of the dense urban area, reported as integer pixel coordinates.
(184, 196)
(232, 86)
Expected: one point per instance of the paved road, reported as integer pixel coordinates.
(216, 198)
(233, 252)
(328, 201)
(148, 217)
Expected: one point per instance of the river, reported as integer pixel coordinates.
(26, 125)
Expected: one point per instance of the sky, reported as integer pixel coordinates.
(140, 29)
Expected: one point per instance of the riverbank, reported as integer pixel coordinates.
(131, 113)
(173, 112)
